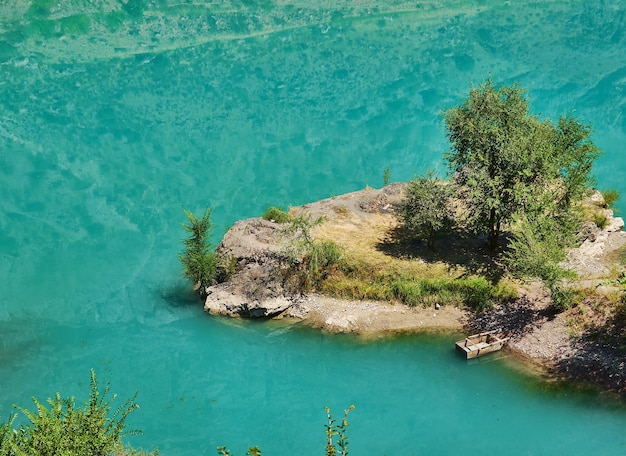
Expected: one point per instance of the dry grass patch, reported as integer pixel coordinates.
(360, 238)
(369, 272)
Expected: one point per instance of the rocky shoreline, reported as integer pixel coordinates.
(538, 336)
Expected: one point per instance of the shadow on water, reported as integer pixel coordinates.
(180, 295)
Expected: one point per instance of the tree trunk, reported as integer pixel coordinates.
(494, 230)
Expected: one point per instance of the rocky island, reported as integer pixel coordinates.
(555, 342)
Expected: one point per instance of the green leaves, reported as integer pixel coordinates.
(63, 428)
(425, 210)
(200, 264)
(336, 437)
(508, 159)
(536, 250)
(314, 258)
(338, 432)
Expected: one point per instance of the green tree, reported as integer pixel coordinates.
(576, 154)
(507, 161)
(200, 263)
(489, 134)
(425, 209)
(514, 169)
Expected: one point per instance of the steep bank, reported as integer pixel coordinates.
(258, 289)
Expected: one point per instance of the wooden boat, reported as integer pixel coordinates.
(481, 344)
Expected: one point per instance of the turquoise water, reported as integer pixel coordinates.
(115, 115)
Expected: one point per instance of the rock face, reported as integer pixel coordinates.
(258, 246)
(258, 289)
(593, 258)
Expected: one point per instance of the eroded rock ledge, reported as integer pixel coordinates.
(257, 289)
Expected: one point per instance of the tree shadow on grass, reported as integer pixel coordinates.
(455, 250)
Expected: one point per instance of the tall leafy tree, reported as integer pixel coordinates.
(486, 133)
(576, 153)
(507, 161)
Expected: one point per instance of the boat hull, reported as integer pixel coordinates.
(481, 344)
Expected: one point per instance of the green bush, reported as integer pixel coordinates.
(610, 197)
(62, 428)
(276, 214)
(425, 210)
(320, 256)
(200, 263)
(600, 220)
(537, 248)
(562, 298)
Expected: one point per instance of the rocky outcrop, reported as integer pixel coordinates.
(256, 290)
(593, 258)
(259, 247)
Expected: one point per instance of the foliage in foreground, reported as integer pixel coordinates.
(62, 428)
(336, 437)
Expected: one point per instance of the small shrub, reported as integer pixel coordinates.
(425, 210)
(563, 298)
(276, 214)
(321, 256)
(199, 262)
(600, 220)
(610, 197)
(386, 176)
(63, 428)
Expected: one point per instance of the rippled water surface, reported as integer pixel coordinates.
(117, 114)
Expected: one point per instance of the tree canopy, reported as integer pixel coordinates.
(507, 161)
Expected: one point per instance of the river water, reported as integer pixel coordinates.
(115, 115)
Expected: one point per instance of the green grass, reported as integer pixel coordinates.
(475, 292)
(276, 214)
(600, 220)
